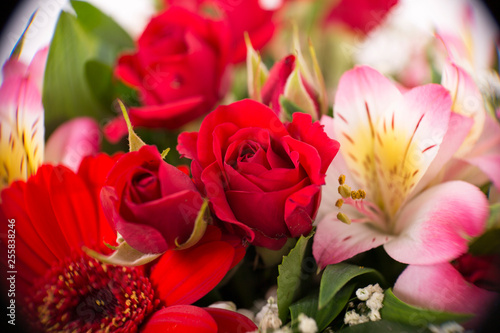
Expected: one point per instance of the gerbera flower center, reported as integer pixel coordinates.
(82, 294)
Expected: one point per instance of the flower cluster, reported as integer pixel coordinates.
(352, 187)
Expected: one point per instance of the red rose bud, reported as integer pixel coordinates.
(178, 68)
(152, 205)
(288, 87)
(263, 179)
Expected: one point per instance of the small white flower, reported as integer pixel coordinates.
(306, 324)
(353, 318)
(362, 294)
(223, 305)
(375, 301)
(268, 318)
(374, 315)
(448, 327)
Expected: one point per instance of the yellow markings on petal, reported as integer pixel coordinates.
(398, 163)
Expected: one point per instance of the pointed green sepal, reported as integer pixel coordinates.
(257, 72)
(124, 255)
(165, 153)
(134, 141)
(200, 225)
(320, 81)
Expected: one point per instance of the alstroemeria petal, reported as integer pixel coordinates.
(408, 138)
(458, 129)
(231, 321)
(180, 318)
(441, 287)
(72, 141)
(434, 226)
(467, 101)
(336, 241)
(184, 276)
(362, 97)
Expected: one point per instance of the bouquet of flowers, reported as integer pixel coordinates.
(253, 166)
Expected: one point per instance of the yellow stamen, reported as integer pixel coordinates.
(339, 203)
(343, 218)
(341, 179)
(345, 191)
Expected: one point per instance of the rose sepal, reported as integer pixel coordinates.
(200, 225)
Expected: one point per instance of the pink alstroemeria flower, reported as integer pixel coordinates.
(480, 150)
(468, 285)
(392, 146)
(22, 146)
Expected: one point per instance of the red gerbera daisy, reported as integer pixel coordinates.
(61, 289)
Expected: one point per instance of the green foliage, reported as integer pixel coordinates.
(325, 315)
(78, 74)
(335, 277)
(397, 311)
(290, 277)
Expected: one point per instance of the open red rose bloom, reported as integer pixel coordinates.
(60, 288)
(263, 178)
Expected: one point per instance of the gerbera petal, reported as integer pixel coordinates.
(362, 97)
(231, 321)
(180, 318)
(441, 287)
(336, 241)
(435, 225)
(408, 138)
(184, 276)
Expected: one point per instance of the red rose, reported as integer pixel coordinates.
(241, 15)
(361, 15)
(178, 68)
(149, 202)
(262, 177)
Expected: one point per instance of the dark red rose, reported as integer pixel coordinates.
(361, 15)
(241, 15)
(263, 178)
(179, 68)
(150, 203)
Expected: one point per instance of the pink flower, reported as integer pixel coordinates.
(468, 285)
(391, 147)
(22, 125)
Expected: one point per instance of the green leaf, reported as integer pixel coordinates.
(289, 107)
(80, 46)
(383, 326)
(102, 26)
(396, 310)
(323, 317)
(99, 79)
(290, 276)
(336, 276)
